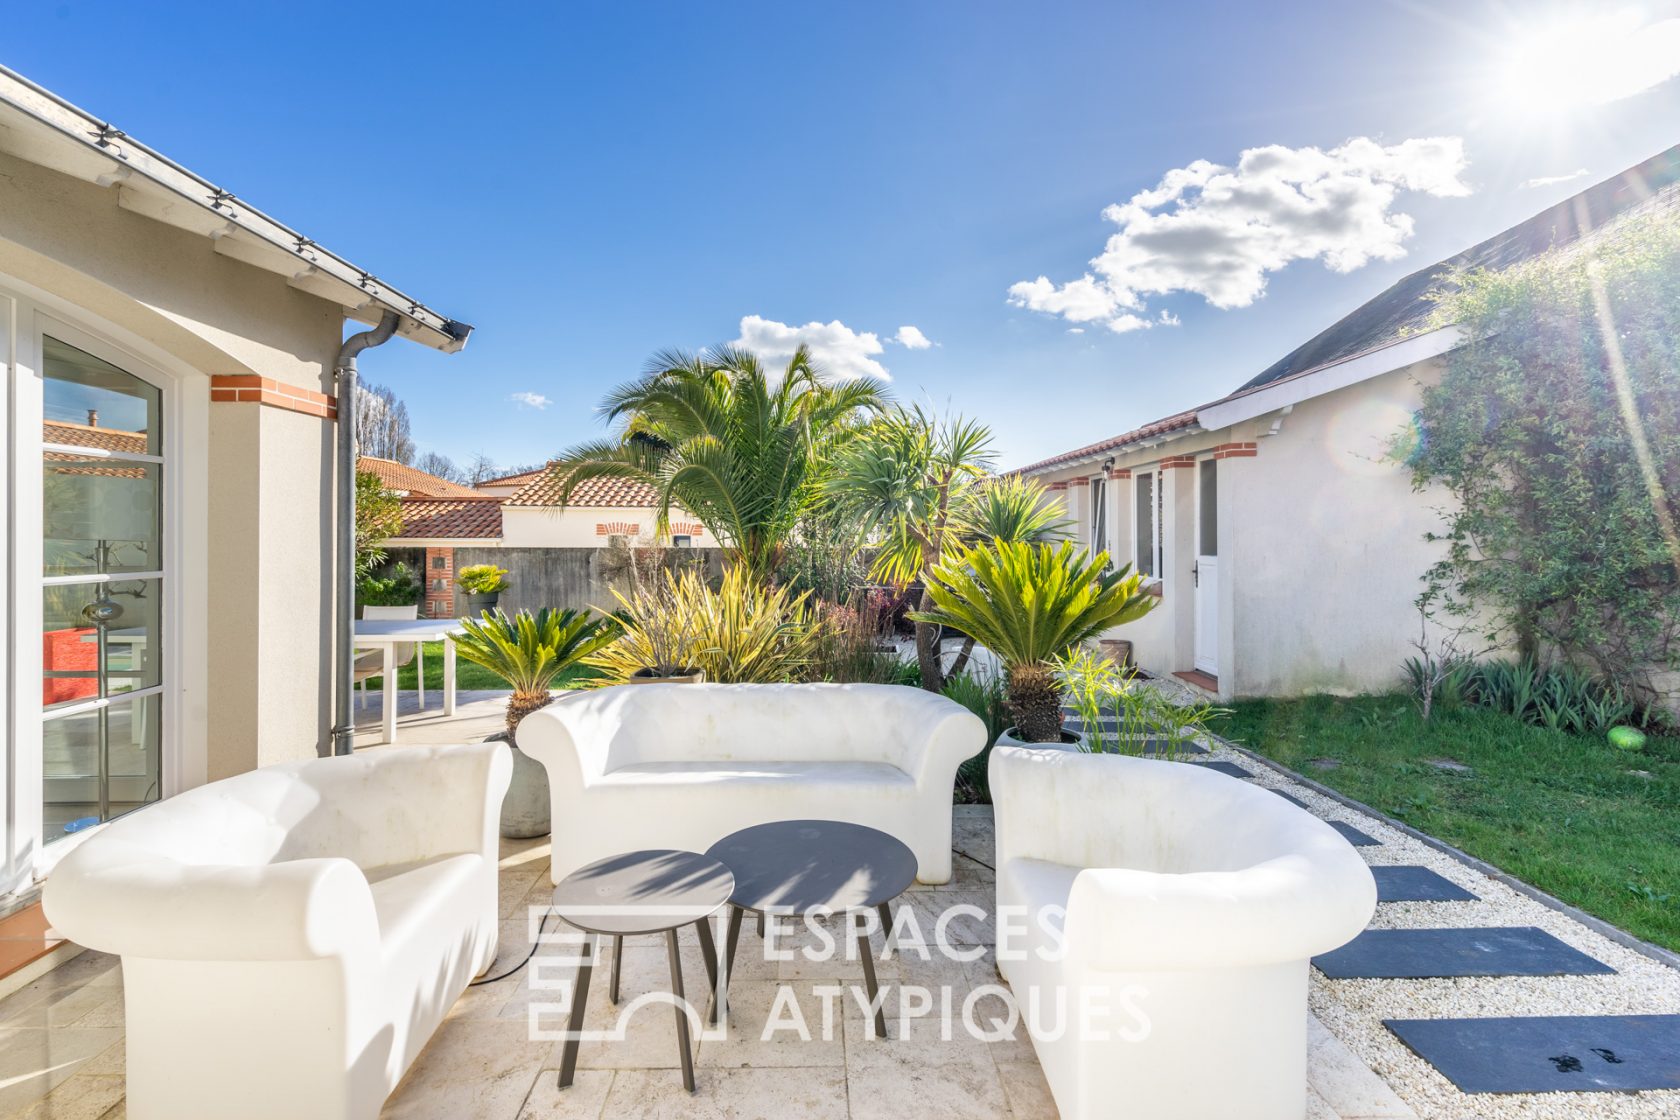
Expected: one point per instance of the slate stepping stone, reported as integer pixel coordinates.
(1352, 835)
(1153, 748)
(1417, 884)
(1230, 768)
(1487, 951)
(1549, 1054)
(1292, 799)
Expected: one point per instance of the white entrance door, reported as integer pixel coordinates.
(1207, 567)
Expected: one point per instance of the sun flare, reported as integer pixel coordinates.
(1589, 60)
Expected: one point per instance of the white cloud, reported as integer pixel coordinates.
(1551, 180)
(843, 353)
(911, 338)
(530, 400)
(1076, 330)
(1219, 231)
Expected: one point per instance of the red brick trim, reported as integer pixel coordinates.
(1177, 461)
(1080, 481)
(1118, 474)
(1236, 451)
(1055, 487)
(439, 582)
(246, 388)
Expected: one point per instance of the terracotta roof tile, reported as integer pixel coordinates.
(406, 479)
(1165, 426)
(104, 439)
(600, 493)
(478, 518)
(519, 479)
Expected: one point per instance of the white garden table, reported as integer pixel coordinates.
(388, 634)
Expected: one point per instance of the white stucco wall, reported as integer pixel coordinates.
(585, 527)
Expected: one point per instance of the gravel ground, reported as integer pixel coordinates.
(1353, 1010)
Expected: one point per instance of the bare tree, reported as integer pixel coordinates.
(441, 465)
(382, 428)
(1443, 659)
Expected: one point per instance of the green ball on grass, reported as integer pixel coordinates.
(1627, 738)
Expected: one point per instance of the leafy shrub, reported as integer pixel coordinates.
(848, 648)
(983, 694)
(1123, 713)
(1556, 697)
(398, 588)
(482, 579)
(743, 632)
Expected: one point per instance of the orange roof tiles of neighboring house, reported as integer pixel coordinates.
(89, 435)
(519, 479)
(407, 480)
(599, 493)
(475, 518)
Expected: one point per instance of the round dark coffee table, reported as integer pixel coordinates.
(801, 867)
(641, 893)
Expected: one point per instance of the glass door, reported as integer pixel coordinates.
(102, 590)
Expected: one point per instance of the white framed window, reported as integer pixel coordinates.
(1146, 523)
(105, 567)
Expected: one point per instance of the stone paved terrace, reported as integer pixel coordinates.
(61, 1045)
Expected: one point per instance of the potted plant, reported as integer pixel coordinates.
(484, 584)
(1029, 603)
(529, 651)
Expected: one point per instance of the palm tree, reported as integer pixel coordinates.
(717, 436)
(1029, 604)
(921, 486)
(530, 650)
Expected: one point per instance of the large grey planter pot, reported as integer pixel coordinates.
(1071, 741)
(525, 810)
(479, 603)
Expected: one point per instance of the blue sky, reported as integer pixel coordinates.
(589, 183)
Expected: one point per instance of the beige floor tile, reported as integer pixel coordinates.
(471, 1068)
(755, 1041)
(1317, 1109)
(35, 1061)
(731, 1094)
(911, 1042)
(112, 1060)
(969, 1088)
(67, 1007)
(583, 1099)
(82, 1097)
(1027, 1091)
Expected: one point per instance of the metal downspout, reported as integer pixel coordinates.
(344, 730)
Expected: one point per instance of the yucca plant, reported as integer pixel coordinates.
(1029, 604)
(744, 632)
(529, 650)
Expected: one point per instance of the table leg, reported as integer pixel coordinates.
(419, 676)
(861, 931)
(618, 960)
(708, 953)
(388, 679)
(886, 925)
(731, 935)
(681, 1006)
(448, 675)
(574, 1024)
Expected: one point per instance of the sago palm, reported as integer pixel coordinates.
(1029, 604)
(717, 436)
(530, 650)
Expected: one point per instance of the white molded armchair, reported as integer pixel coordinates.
(1188, 904)
(291, 937)
(684, 765)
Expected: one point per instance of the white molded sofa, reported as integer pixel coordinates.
(684, 765)
(1189, 904)
(291, 937)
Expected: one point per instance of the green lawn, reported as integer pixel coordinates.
(467, 674)
(1595, 826)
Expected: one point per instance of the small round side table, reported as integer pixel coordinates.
(641, 893)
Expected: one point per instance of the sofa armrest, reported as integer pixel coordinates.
(148, 906)
(956, 736)
(1284, 909)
